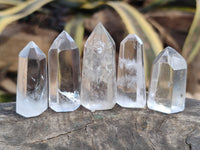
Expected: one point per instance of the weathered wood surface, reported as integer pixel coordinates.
(116, 129)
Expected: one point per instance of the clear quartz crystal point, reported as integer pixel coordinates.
(131, 91)
(31, 81)
(168, 82)
(98, 88)
(64, 74)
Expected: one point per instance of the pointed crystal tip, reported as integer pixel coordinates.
(132, 37)
(170, 50)
(100, 25)
(100, 38)
(64, 42)
(32, 44)
(32, 51)
(99, 28)
(172, 57)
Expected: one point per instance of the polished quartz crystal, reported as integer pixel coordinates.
(131, 91)
(64, 74)
(31, 81)
(168, 82)
(98, 88)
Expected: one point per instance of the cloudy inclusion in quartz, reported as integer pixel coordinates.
(64, 74)
(31, 81)
(131, 90)
(98, 88)
(168, 82)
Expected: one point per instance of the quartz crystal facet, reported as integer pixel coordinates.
(131, 90)
(168, 82)
(64, 74)
(98, 88)
(31, 81)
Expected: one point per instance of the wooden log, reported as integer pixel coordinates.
(116, 129)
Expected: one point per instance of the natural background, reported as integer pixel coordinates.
(159, 23)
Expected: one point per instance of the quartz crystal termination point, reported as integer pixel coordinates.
(31, 99)
(131, 91)
(168, 82)
(98, 88)
(64, 74)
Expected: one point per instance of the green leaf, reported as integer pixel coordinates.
(76, 29)
(12, 14)
(184, 5)
(155, 4)
(183, 9)
(72, 3)
(135, 23)
(4, 97)
(10, 2)
(93, 5)
(191, 46)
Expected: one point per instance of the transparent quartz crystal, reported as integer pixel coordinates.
(98, 88)
(168, 82)
(64, 74)
(31, 81)
(131, 90)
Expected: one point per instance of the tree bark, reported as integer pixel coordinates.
(116, 129)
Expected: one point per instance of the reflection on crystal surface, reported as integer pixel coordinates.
(98, 88)
(31, 82)
(64, 74)
(131, 90)
(168, 82)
